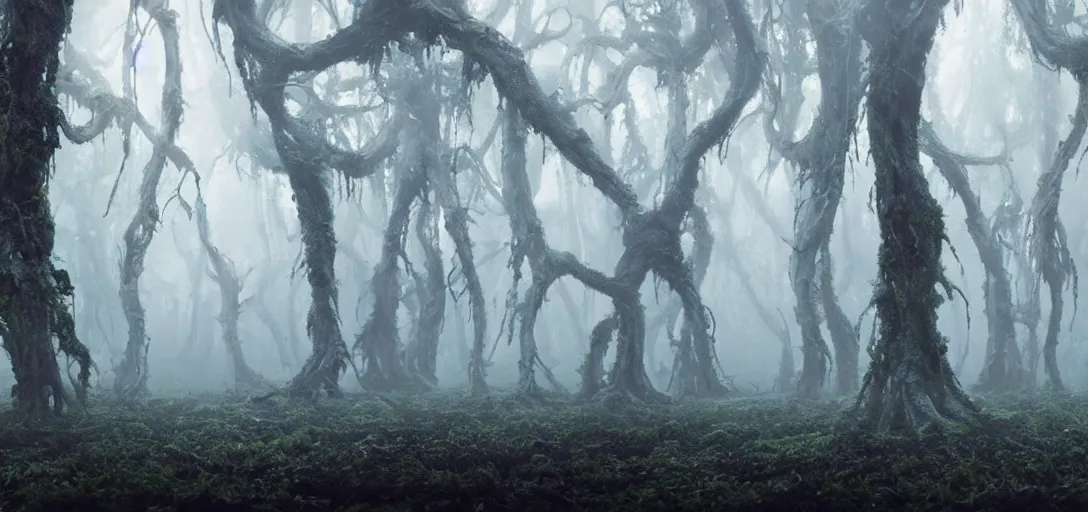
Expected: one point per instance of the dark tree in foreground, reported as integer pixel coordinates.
(33, 292)
(909, 383)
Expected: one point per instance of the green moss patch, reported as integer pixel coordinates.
(449, 452)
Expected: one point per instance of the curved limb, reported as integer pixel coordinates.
(1048, 250)
(230, 307)
(1002, 370)
(131, 373)
(546, 265)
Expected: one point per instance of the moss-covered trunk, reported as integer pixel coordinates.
(33, 309)
(909, 383)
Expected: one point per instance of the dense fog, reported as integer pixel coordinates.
(618, 68)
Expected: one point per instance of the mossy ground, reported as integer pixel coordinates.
(448, 452)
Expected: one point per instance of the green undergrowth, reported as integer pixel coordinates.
(448, 452)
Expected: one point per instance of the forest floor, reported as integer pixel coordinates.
(449, 452)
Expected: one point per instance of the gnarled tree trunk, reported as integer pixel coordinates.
(910, 383)
(1048, 249)
(131, 378)
(33, 292)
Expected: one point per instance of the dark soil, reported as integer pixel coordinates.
(448, 452)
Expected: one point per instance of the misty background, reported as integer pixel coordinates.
(985, 95)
